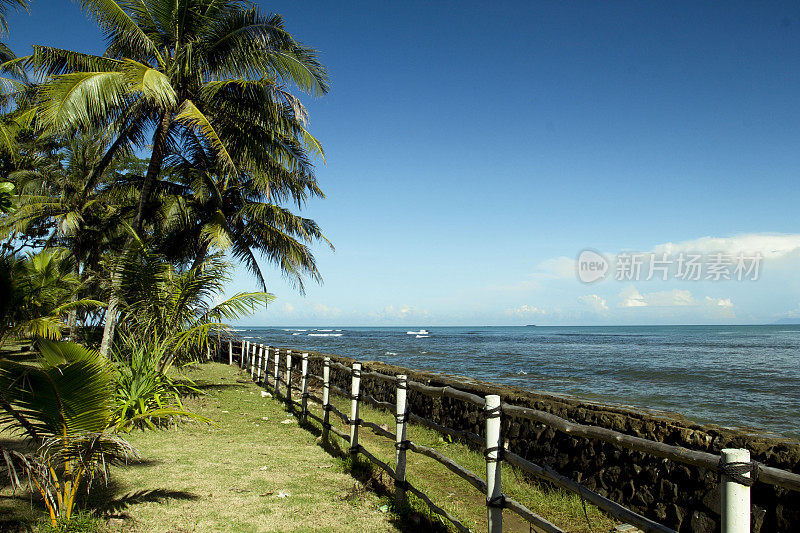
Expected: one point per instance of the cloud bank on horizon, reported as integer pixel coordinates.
(552, 293)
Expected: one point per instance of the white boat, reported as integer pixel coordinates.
(420, 332)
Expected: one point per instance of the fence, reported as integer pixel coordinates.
(737, 472)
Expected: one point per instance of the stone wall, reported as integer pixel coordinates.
(682, 497)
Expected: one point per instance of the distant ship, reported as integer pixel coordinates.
(530, 325)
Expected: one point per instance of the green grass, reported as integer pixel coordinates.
(198, 478)
(230, 477)
(454, 494)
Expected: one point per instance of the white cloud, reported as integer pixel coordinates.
(401, 312)
(288, 308)
(526, 310)
(709, 306)
(719, 302)
(323, 311)
(598, 304)
(631, 297)
(559, 267)
(771, 246)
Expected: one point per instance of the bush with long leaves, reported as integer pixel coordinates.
(63, 404)
(180, 307)
(146, 394)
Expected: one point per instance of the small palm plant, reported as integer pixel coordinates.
(63, 404)
(146, 394)
(180, 308)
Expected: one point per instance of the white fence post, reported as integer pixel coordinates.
(230, 352)
(241, 357)
(735, 496)
(494, 493)
(289, 379)
(355, 390)
(304, 389)
(260, 362)
(401, 445)
(253, 352)
(326, 398)
(266, 366)
(276, 371)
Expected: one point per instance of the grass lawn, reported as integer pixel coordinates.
(259, 470)
(252, 473)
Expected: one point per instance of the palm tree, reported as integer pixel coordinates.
(35, 294)
(211, 70)
(64, 406)
(205, 209)
(179, 310)
(55, 208)
(15, 90)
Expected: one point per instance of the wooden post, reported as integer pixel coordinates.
(253, 352)
(355, 390)
(266, 366)
(304, 389)
(277, 369)
(494, 493)
(735, 497)
(241, 358)
(230, 351)
(254, 366)
(261, 362)
(289, 379)
(326, 397)
(401, 417)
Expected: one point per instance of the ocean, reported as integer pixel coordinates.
(735, 376)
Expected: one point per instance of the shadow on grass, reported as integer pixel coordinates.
(108, 500)
(20, 511)
(407, 518)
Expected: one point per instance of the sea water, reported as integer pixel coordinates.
(736, 376)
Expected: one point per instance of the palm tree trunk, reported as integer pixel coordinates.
(202, 253)
(72, 317)
(153, 169)
(72, 320)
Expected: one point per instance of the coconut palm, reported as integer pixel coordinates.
(205, 209)
(178, 310)
(214, 71)
(36, 293)
(13, 84)
(63, 405)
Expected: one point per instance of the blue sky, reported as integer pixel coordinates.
(475, 149)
